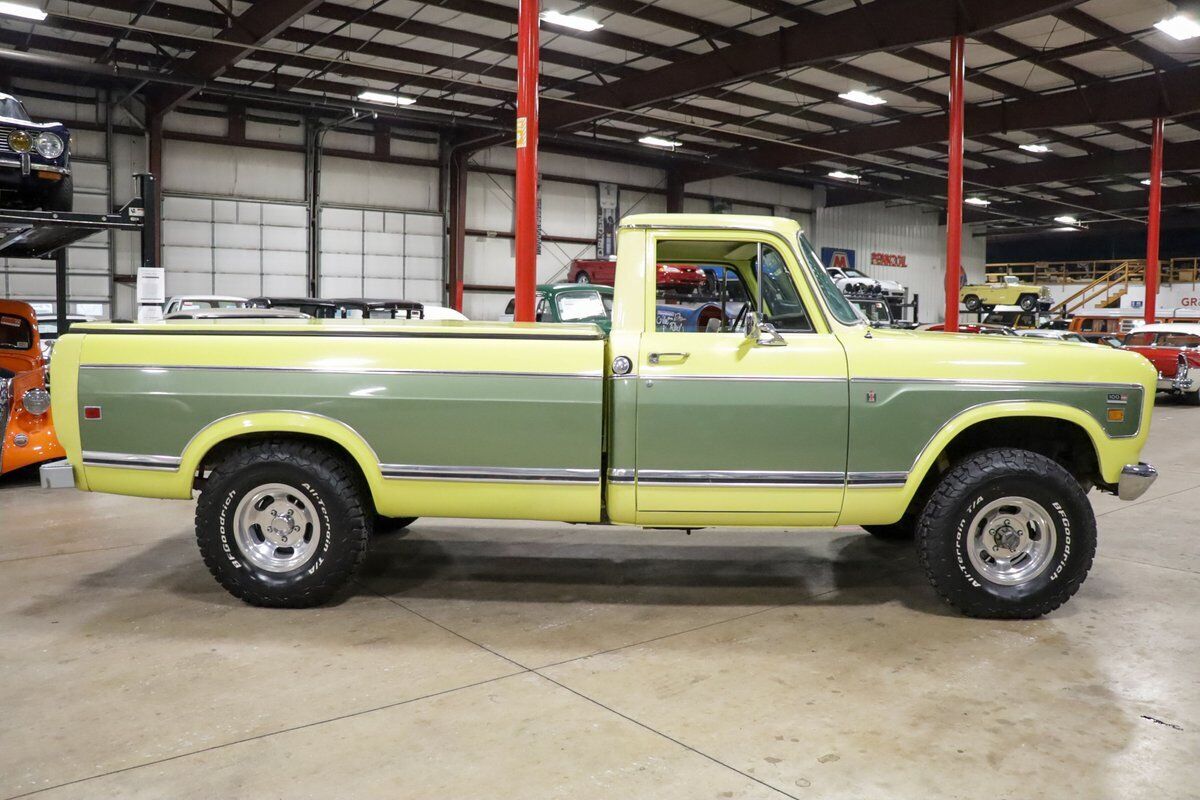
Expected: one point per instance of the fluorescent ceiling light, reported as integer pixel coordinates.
(1035, 148)
(1146, 182)
(843, 176)
(856, 96)
(1066, 220)
(1180, 26)
(386, 99)
(23, 11)
(655, 141)
(570, 21)
(1069, 228)
(978, 201)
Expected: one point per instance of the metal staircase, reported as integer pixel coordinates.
(1107, 288)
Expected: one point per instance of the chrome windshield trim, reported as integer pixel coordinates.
(156, 368)
(488, 474)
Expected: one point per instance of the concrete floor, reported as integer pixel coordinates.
(538, 660)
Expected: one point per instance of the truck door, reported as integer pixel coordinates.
(735, 424)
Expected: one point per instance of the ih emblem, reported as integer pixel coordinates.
(870, 397)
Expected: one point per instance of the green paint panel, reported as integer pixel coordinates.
(426, 419)
(888, 434)
(622, 423)
(797, 426)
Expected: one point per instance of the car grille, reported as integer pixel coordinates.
(4, 148)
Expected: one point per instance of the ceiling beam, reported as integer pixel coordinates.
(256, 25)
(1167, 94)
(1177, 156)
(879, 26)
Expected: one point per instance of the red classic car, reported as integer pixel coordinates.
(26, 430)
(1174, 350)
(604, 272)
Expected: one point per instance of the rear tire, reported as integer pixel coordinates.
(583, 278)
(1007, 534)
(319, 545)
(971, 302)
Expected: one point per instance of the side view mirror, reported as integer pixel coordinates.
(763, 333)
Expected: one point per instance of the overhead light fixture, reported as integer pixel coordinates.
(655, 141)
(844, 176)
(571, 21)
(1069, 228)
(865, 99)
(23, 11)
(1180, 27)
(1067, 220)
(387, 99)
(1146, 182)
(1034, 148)
(978, 201)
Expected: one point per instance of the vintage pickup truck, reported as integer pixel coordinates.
(301, 436)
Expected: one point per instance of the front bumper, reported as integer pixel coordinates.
(1135, 480)
(23, 166)
(1176, 384)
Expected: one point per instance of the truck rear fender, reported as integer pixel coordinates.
(252, 425)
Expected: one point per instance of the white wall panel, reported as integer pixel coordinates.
(225, 171)
(376, 184)
(909, 230)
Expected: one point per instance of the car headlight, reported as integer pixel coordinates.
(20, 141)
(49, 145)
(36, 401)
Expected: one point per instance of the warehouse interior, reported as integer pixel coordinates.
(261, 154)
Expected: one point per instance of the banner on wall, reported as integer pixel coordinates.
(837, 257)
(608, 210)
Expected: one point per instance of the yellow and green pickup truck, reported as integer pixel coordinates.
(303, 438)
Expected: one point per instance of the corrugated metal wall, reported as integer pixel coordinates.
(908, 230)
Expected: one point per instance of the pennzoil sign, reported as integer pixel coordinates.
(888, 260)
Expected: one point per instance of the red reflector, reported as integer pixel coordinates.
(91, 412)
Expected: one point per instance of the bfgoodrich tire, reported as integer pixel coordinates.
(283, 524)
(1007, 534)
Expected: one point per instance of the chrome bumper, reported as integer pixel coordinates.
(57, 475)
(1135, 480)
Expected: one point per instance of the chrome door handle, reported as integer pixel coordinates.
(657, 357)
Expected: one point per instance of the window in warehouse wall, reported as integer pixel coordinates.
(381, 254)
(32, 279)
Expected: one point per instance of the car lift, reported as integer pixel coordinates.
(48, 234)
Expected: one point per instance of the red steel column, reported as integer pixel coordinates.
(954, 183)
(1153, 221)
(527, 150)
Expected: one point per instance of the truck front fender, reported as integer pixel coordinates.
(1111, 453)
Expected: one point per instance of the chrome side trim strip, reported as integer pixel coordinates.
(757, 378)
(710, 477)
(1004, 384)
(98, 458)
(622, 476)
(876, 479)
(489, 474)
(160, 368)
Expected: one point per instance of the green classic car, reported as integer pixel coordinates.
(786, 409)
(569, 302)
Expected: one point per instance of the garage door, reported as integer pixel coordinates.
(381, 254)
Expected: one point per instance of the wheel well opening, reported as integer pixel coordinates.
(220, 451)
(1063, 442)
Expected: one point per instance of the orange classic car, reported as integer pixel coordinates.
(26, 429)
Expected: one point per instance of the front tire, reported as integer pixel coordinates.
(1192, 398)
(60, 196)
(283, 524)
(1007, 534)
(583, 278)
(971, 302)
(1028, 302)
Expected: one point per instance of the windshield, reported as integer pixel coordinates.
(839, 306)
(12, 108)
(853, 273)
(15, 333)
(581, 306)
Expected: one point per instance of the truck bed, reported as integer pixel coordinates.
(443, 416)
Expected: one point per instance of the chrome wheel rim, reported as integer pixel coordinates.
(276, 528)
(1011, 540)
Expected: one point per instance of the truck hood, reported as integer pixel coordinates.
(972, 357)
